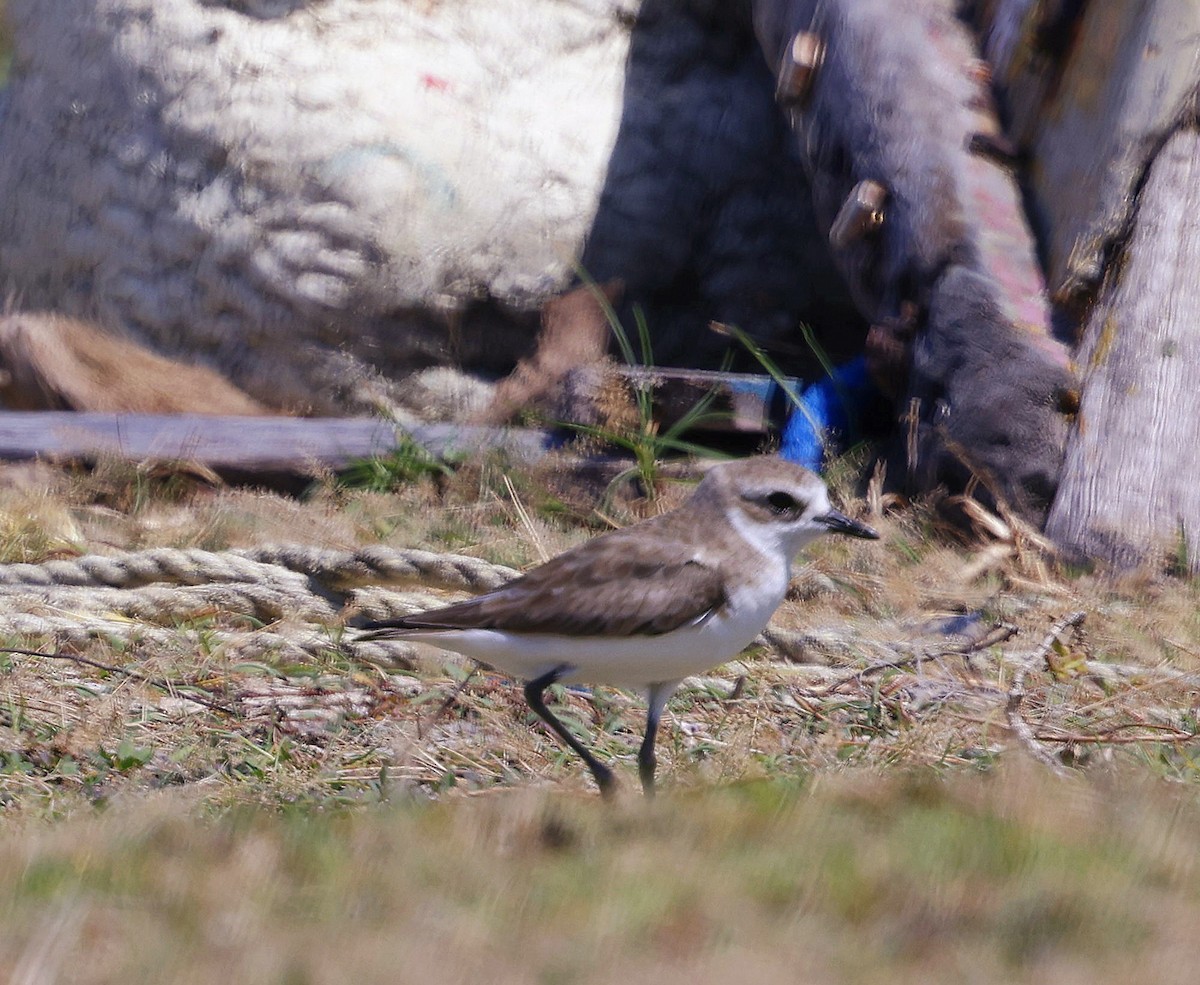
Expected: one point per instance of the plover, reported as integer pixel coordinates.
(647, 605)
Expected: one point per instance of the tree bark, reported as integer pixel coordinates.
(1114, 77)
(1130, 490)
(1102, 98)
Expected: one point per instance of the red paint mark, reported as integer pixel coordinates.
(435, 82)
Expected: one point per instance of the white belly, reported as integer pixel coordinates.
(635, 661)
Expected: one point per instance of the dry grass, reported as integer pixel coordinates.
(1013, 877)
(862, 809)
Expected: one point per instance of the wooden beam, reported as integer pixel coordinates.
(911, 178)
(243, 444)
(742, 403)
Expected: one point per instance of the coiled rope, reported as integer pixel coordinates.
(272, 562)
(287, 602)
(151, 597)
(292, 598)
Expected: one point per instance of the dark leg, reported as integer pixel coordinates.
(647, 761)
(533, 694)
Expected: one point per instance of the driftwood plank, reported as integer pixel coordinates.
(243, 444)
(744, 403)
(741, 403)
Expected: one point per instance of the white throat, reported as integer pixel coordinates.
(764, 540)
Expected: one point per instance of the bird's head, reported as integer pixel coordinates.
(775, 504)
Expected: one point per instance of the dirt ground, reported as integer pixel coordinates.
(949, 758)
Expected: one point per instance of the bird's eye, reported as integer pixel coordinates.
(782, 504)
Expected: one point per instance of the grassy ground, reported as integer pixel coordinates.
(856, 802)
(854, 877)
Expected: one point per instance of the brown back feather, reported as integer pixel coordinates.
(629, 586)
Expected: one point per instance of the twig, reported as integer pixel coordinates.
(999, 633)
(1016, 694)
(526, 522)
(450, 699)
(912, 445)
(162, 683)
(1109, 736)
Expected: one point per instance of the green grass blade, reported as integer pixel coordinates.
(782, 382)
(610, 315)
(818, 350)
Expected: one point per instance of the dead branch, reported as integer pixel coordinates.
(449, 700)
(999, 633)
(1016, 694)
(1166, 733)
(164, 684)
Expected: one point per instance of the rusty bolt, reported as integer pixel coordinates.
(995, 146)
(798, 70)
(1068, 401)
(860, 215)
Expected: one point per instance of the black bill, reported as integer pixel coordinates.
(839, 523)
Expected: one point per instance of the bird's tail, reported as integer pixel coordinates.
(388, 629)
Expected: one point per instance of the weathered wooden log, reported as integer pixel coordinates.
(1101, 98)
(1131, 486)
(1091, 92)
(898, 100)
(244, 445)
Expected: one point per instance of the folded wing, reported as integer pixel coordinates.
(623, 587)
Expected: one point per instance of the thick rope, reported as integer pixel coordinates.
(384, 564)
(186, 567)
(306, 644)
(268, 563)
(172, 604)
(379, 603)
(148, 597)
